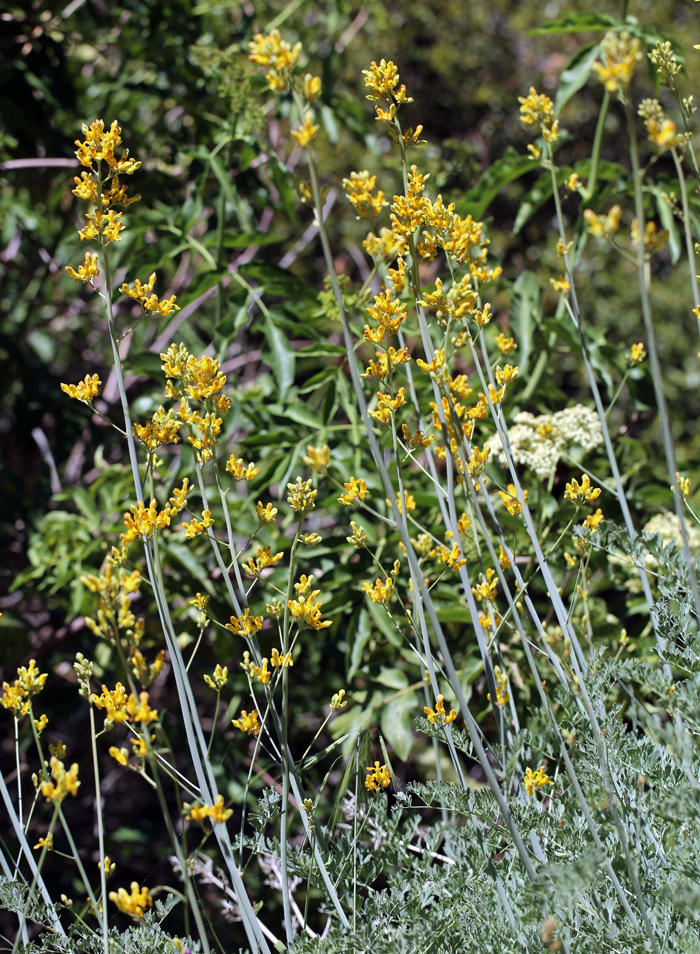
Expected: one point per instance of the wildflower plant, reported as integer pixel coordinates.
(471, 572)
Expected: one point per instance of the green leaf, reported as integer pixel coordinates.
(184, 556)
(284, 183)
(525, 313)
(278, 281)
(300, 413)
(362, 632)
(318, 380)
(392, 678)
(200, 284)
(397, 723)
(536, 197)
(280, 357)
(146, 362)
(578, 23)
(235, 239)
(575, 75)
(668, 221)
(504, 171)
(321, 350)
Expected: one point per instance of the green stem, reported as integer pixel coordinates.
(597, 143)
(100, 831)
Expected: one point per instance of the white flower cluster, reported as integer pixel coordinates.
(538, 441)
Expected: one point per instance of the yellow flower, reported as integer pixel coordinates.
(388, 313)
(579, 492)
(311, 88)
(311, 539)
(410, 502)
(278, 55)
(215, 812)
(198, 378)
(48, 842)
(338, 701)
(654, 238)
(135, 903)
(300, 496)
(64, 782)
(87, 271)
(380, 592)
(452, 558)
(266, 514)
(603, 226)
(619, 56)
(218, 680)
(100, 145)
(506, 375)
(248, 723)
(146, 674)
(593, 520)
(506, 345)
(355, 490)
(663, 134)
(439, 712)
(41, 723)
(486, 590)
(246, 625)
(149, 300)
(163, 428)
(121, 755)
(196, 527)
(683, 484)
(561, 285)
(262, 673)
(535, 780)
(113, 701)
(359, 189)
(418, 439)
(378, 776)
(477, 461)
(537, 112)
(511, 502)
(503, 559)
(85, 390)
(200, 602)
(388, 246)
(359, 536)
(317, 458)
(143, 521)
(435, 365)
(306, 134)
(278, 661)
(381, 80)
(139, 709)
(303, 608)
(638, 353)
(262, 561)
(387, 406)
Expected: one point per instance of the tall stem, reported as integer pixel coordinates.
(100, 831)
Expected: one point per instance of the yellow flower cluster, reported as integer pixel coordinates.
(29, 682)
(303, 608)
(195, 527)
(307, 132)
(536, 780)
(147, 673)
(502, 694)
(618, 58)
(452, 558)
(388, 313)
(593, 520)
(142, 522)
(438, 713)
(163, 428)
(603, 226)
(387, 406)
(511, 502)
(148, 298)
(266, 514)
(84, 391)
(486, 590)
(317, 458)
(246, 625)
(87, 271)
(537, 112)
(578, 493)
(653, 239)
(122, 708)
(215, 812)
(114, 588)
(219, 679)
(238, 471)
(300, 496)
(64, 782)
(279, 661)
(248, 722)
(134, 903)
(355, 490)
(98, 146)
(380, 592)
(264, 558)
(389, 245)
(278, 56)
(378, 776)
(359, 189)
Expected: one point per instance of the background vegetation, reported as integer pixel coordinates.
(173, 75)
